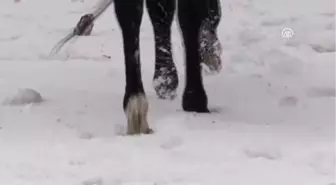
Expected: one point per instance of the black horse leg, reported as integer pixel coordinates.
(135, 104)
(191, 14)
(165, 81)
(210, 46)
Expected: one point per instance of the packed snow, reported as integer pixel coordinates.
(273, 104)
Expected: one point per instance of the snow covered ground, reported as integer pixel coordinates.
(274, 102)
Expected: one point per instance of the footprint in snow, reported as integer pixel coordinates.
(86, 135)
(288, 101)
(172, 143)
(328, 14)
(93, 181)
(323, 48)
(321, 92)
(269, 154)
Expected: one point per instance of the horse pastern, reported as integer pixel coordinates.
(136, 113)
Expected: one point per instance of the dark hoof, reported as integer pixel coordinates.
(195, 101)
(165, 83)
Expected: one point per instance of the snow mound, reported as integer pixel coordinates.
(24, 96)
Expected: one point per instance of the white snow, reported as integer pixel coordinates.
(273, 120)
(23, 96)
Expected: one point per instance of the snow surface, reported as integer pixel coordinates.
(273, 120)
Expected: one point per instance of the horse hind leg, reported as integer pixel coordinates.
(210, 46)
(135, 104)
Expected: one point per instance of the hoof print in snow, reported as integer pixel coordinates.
(24, 96)
(273, 22)
(318, 92)
(86, 135)
(323, 163)
(94, 181)
(288, 101)
(76, 163)
(328, 14)
(172, 143)
(282, 63)
(250, 37)
(215, 109)
(323, 48)
(256, 76)
(269, 154)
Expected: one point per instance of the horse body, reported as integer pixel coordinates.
(198, 21)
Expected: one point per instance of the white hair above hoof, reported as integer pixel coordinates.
(136, 113)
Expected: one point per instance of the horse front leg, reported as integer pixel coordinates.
(190, 20)
(135, 104)
(165, 81)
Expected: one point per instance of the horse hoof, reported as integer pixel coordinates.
(165, 83)
(210, 51)
(195, 101)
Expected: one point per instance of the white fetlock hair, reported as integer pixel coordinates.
(136, 113)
